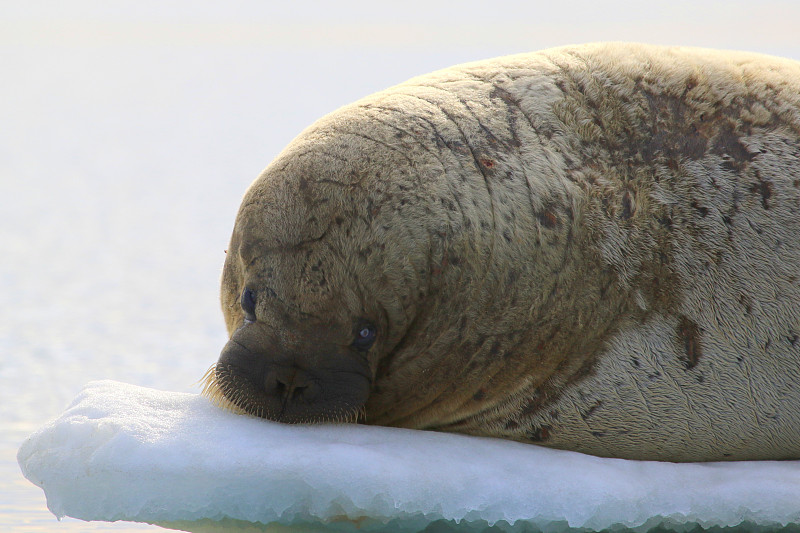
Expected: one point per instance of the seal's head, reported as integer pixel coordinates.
(310, 293)
(375, 269)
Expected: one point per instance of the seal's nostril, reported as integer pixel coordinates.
(287, 383)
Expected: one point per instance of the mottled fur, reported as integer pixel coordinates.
(594, 248)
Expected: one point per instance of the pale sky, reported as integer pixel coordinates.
(502, 26)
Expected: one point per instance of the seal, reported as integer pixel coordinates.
(594, 248)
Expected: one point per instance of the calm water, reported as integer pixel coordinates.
(124, 152)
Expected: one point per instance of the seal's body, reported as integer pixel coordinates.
(595, 248)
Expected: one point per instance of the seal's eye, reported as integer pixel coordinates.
(248, 301)
(365, 336)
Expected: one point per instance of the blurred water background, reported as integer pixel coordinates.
(130, 129)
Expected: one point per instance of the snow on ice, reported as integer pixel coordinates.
(122, 452)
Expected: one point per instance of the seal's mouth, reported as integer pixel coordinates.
(312, 382)
(303, 402)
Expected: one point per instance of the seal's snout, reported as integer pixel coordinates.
(291, 384)
(316, 383)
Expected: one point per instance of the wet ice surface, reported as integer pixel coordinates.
(122, 452)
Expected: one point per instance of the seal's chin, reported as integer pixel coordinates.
(288, 395)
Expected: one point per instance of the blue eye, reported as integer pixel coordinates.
(365, 336)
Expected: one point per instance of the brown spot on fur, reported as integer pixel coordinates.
(692, 146)
(627, 205)
(728, 143)
(533, 405)
(765, 189)
(539, 434)
(703, 211)
(488, 163)
(689, 336)
(746, 303)
(687, 142)
(548, 219)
